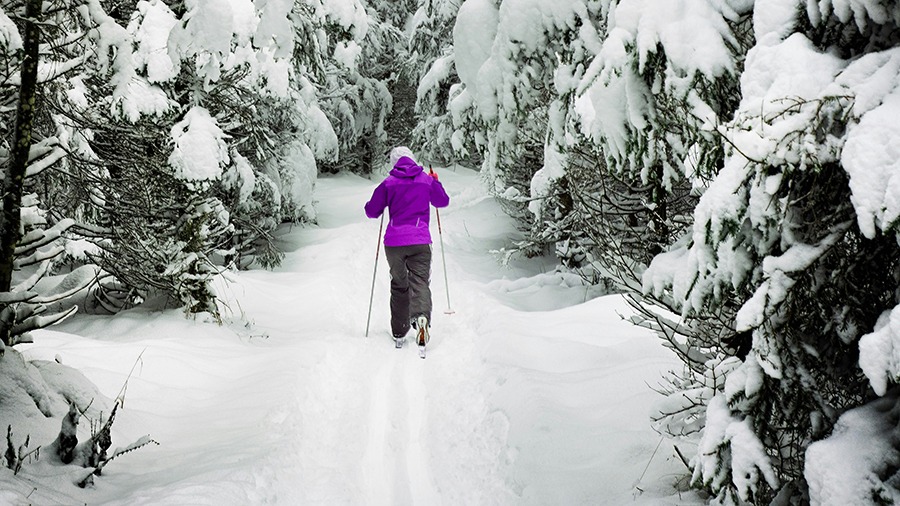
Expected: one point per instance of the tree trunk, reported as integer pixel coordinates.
(659, 196)
(10, 219)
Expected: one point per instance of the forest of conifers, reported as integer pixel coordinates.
(729, 165)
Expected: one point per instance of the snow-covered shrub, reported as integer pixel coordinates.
(35, 396)
(159, 233)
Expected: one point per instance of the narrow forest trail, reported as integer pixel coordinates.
(533, 392)
(379, 431)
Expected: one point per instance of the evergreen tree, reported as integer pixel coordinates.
(439, 135)
(126, 91)
(789, 253)
(31, 238)
(358, 47)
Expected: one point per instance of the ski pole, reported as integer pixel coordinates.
(443, 257)
(374, 271)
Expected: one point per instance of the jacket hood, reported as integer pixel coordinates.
(406, 167)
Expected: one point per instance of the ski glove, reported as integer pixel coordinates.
(434, 175)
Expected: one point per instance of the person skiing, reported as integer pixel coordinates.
(408, 192)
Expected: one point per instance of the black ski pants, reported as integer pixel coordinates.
(410, 276)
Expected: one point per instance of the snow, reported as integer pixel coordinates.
(349, 14)
(275, 27)
(319, 132)
(200, 150)
(788, 69)
(112, 39)
(553, 169)
(152, 36)
(217, 34)
(347, 53)
(774, 20)
(224, 34)
(879, 351)
(300, 180)
(607, 111)
(437, 73)
(871, 154)
(240, 175)
(744, 381)
(80, 249)
(140, 98)
(276, 72)
(693, 34)
(208, 26)
(528, 22)
(532, 393)
(502, 51)
(748, 456)
(695, 40)
(852, 465)
(244, 20)
(77, 92)
(473, 37)
(10, 40)
(860, 11)
(777, 284)
(749, 459)
(718, 419)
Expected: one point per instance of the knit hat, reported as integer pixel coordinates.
(399, 152)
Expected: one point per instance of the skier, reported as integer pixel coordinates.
(408, 192)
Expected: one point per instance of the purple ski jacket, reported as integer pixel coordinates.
(408, 192)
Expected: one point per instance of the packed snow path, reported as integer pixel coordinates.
(533, 392)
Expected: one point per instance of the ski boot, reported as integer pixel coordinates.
(399, 340)
(422, 334)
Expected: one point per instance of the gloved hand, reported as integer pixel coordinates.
(433, 174)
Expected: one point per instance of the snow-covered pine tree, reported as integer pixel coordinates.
(794, 250)
(33, 238)
(440, 134)
(639, 105)
(126, 116)
(505, 109)
(394, 67)
(641, 109)
(597, 129)
(357, 48)
(116, 120)
(504, 56)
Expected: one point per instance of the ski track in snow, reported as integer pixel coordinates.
(417, 463)
(397, 470)
(290, 404)
(379, 477)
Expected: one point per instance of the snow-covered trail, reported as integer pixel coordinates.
(371, 430)
(529, 395)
